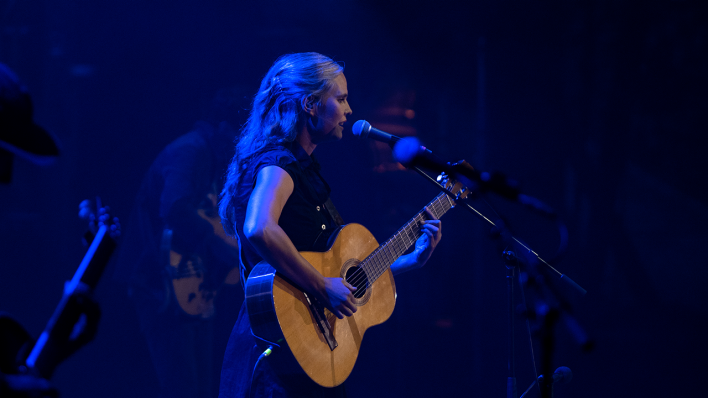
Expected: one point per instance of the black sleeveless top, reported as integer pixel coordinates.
(304, 218)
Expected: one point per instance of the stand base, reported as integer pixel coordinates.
(511, 387)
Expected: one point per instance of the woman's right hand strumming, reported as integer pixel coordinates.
(340, 297)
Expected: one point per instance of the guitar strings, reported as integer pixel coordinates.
(387, 253)
(381, 259)
(375, 258)
(394, 244)
(378, 263)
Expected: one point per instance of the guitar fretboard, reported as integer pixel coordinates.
(386, 254)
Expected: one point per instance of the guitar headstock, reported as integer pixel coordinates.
(457, 189)
(98, 215)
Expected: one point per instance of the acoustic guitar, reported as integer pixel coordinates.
(187, 271)
(307, 338)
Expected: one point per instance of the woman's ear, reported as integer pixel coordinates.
(308, 105)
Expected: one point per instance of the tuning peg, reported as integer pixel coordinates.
(462, 193)
(443, 179)
(85, 211)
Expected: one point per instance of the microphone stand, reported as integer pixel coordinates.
(510, 261)
(549, 312)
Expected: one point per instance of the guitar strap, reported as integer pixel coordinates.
(333, 212)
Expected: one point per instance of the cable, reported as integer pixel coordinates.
(265, 353)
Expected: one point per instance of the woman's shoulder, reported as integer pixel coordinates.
(272, 154)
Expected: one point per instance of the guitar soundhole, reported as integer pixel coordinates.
(357, 278)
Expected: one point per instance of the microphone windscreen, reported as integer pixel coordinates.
(361, 126)
(406, 150)
(562, 375)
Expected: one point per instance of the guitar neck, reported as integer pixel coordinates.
(388, 252)
(57, 341)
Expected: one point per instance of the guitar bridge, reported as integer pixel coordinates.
(317, 311)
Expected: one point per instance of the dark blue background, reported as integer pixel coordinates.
(596, 107)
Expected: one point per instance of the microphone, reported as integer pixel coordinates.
(363, 129)
(409, 152)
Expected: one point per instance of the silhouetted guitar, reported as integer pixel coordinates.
(74, 321)
(313, 340)
(187, 272)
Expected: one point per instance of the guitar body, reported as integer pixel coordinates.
(187, 274)
(279, 311)
(187, 280)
